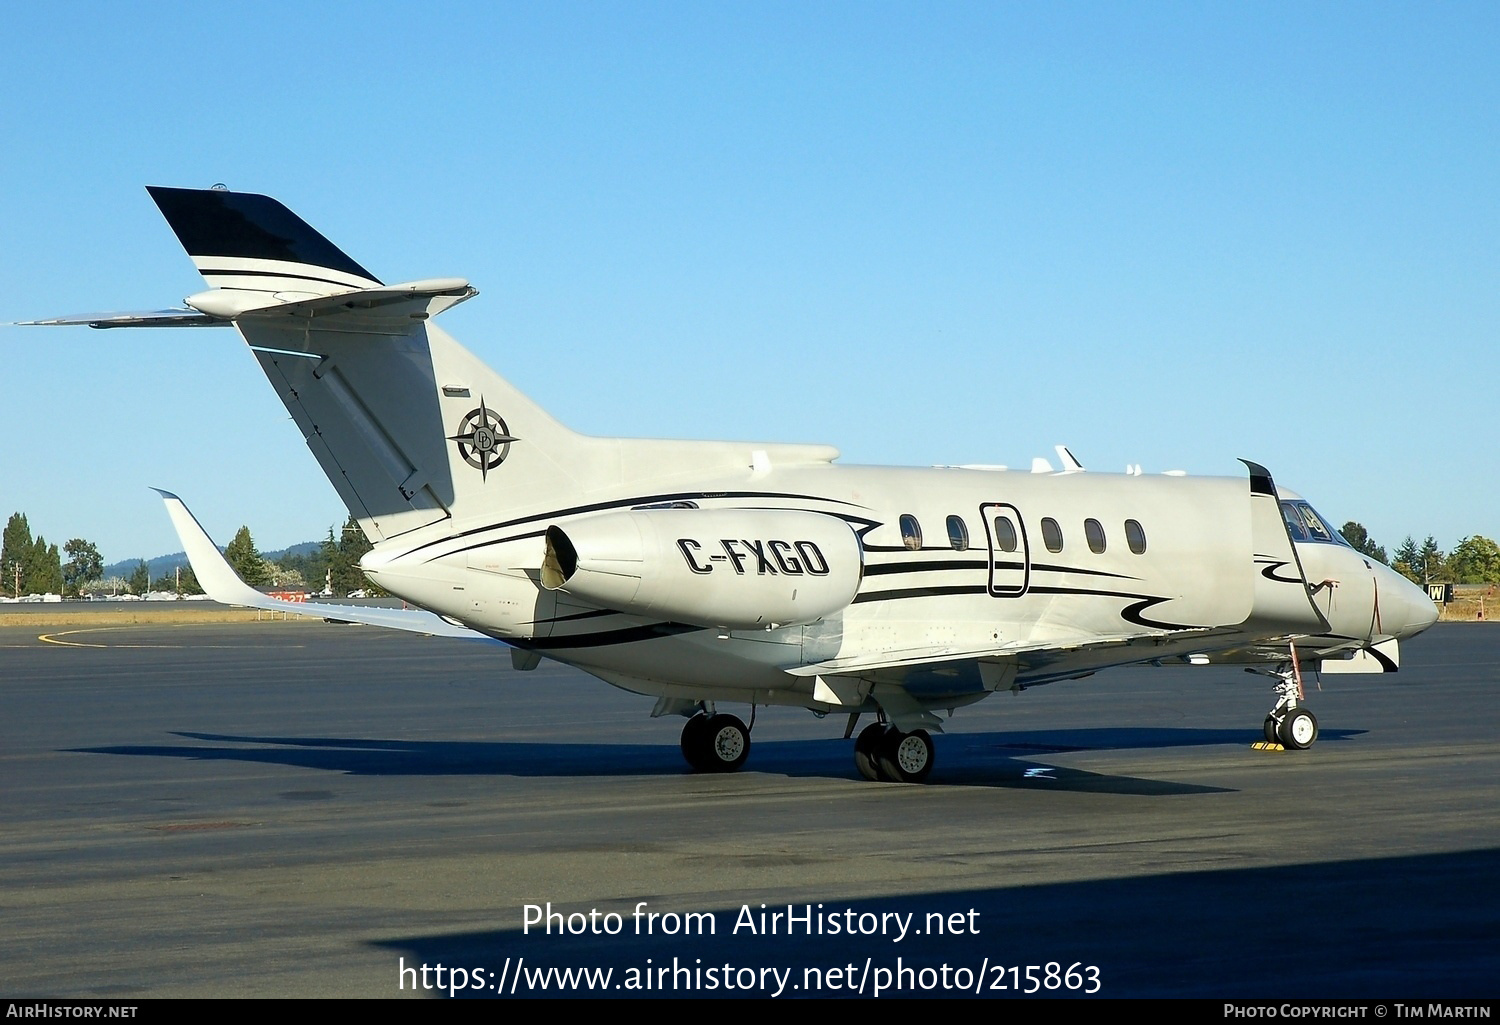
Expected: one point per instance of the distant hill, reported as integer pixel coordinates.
(162, 565)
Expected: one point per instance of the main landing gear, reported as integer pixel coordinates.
(715, 742)
(883, 754)
(1290, 724)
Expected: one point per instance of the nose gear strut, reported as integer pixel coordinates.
(1290, 723)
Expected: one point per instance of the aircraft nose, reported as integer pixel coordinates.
(1405, 608)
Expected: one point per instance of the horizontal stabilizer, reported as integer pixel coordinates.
(223, 584)
(369, 308)
(414, 300)
(146, 318)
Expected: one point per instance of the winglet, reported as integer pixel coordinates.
(217, 578)
(221, 583)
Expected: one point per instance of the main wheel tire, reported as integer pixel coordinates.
(905, 757)
(867, 748)
(727, 743)
(1272, 736)
(1298, 730)
(695, 742)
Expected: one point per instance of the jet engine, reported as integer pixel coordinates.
(738, 568)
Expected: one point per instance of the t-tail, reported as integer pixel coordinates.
(409, 426)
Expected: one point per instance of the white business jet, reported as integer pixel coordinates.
(707, 573)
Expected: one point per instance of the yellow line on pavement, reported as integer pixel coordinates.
(56, 638)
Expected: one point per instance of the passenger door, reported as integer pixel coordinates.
(1010, 560)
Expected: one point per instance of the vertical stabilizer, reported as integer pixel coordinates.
(410, 428)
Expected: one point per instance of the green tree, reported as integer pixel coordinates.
(1420, 565)
(339, 562)
(352, 546)
(140, 578)
(1360, 540)
(188, 580)
(342, 574)
(1406, 559)
(1432, 561)
(241, 555)
(15, 550)
(1476, 560)
(42, 571)
(83, 564)
(177, 580)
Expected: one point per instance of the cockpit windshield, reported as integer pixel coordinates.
(1306, 525)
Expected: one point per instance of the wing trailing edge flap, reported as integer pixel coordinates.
(221, 583)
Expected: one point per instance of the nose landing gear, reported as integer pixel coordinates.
(1290, 724)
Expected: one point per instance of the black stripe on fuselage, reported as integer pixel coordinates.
(628, 635)
(938, 565)
(918, 592)
(924, 566)
(926, 592)
(595, 614)
(617, 503)
(1131, 614)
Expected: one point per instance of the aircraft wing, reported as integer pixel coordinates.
(223, 584)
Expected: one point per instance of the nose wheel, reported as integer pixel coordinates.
(1298, 729)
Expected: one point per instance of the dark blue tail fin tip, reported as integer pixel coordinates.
(212, 222)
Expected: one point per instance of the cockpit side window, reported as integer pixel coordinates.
(1306, 525)
(1294, 523)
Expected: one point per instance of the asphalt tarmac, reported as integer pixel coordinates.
(305, 809)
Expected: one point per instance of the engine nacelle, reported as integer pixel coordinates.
(737, 568)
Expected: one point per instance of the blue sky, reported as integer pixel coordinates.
(1170, 234)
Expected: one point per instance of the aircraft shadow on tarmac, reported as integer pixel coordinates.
(1416, 926)
(1003, 759)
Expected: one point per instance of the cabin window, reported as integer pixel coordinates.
(1093, 532)
(1005, 534)
(1051, 534)
(911, 532)
(958, 534)
(1135, 537)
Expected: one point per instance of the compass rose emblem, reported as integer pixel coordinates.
(483, 439)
